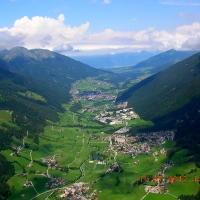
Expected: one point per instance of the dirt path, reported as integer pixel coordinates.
(23, 142)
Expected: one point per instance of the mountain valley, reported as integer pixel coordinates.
(70, 131)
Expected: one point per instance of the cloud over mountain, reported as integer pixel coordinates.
(54, 34)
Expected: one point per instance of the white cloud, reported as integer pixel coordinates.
(54, 34)
(192, 43)
(61, 18)
(107, 1)
(63, 48)
(42, 32)
(9, 39)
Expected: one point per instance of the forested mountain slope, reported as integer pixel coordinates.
(54, 68)
(31, 101)
(168, 95)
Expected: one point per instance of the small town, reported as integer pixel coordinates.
(93, 96)
(127, 144)
(116, 117)
(79, 191)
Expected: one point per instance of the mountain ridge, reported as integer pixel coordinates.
(163, 60)
(163, 92)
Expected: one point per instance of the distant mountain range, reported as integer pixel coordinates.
(115, 60)
(163, 60)
(138, 60)
(46, 65)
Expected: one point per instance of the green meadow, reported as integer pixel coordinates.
(32, 95)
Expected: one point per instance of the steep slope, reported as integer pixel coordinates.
(29, 104)
(56, 69)
(168, 95)
(53, 65)
(32, 102)
(162, 61)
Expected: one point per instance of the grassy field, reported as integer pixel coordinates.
(6, 117)
(139, 122)
(32, 95)
(90, 84)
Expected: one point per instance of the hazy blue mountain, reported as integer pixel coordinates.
(115, 60)
(163, 60)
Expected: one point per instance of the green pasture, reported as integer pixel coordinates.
(16, 142)
(185, 185)
(89, 84)
(178, 156)
(152, 196)
(73, 174)
(32, 95)
(6, 117)
(17, 189)
(169, 144)
(124, 190)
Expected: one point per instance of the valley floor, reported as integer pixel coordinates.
(87, 159)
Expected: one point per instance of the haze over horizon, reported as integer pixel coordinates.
(94, 27)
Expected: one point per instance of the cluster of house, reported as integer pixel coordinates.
(55, 182)
(139, 144)
(134, 150)
(98, 96)
(156, 138)
(27, 184)
(123, 144)
(41, 173)
(94, 109)
(52, 163)
(74, 90)
(22, 174)
(165, 167)
(78, 191)
(156, 189)
(116, 117)
(93, 95)
(98, 162)
(30, 165)
(160, 180)
(123, 130)
(121, 105)
(115, 166)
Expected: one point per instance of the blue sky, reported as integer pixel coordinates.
(100, 26)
